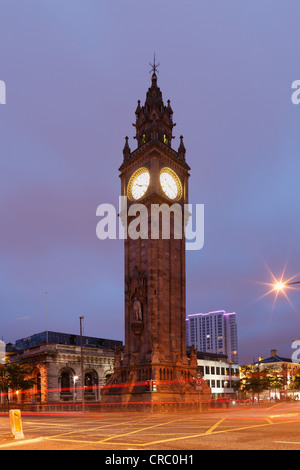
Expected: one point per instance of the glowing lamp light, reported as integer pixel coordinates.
(279, 286)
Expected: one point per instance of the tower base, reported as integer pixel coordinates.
(154, 395)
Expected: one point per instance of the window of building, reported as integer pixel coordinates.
(65, 382)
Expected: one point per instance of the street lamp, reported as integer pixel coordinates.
(225, 386)
(75, 378)
(81, 363)
(281, 285)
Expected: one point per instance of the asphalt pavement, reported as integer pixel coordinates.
(274, 427)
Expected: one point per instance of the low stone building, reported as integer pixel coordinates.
(55, 363)
(285, 369)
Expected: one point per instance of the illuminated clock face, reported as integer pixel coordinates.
(170, 183)
(140, 185)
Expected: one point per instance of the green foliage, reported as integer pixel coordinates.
(295, 385)
(14, 376)
(255, 380)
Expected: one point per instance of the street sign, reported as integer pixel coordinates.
(198, 381)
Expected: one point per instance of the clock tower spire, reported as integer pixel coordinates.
(154, 120)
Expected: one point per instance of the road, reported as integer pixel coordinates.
(275, 427)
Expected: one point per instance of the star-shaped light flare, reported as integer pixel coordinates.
(280, 285)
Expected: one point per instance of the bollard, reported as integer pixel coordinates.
(16, 424)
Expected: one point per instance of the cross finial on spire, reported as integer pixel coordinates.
(154, 66)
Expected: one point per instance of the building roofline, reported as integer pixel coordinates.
(209, 313)
(274, 359)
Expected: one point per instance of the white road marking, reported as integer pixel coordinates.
(287, 442)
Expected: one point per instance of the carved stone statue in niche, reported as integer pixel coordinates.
(137, 310)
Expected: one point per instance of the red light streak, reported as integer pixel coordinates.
(96, 408)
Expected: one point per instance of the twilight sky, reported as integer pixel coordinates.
(74, 71)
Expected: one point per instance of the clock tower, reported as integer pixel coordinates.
(153, 368)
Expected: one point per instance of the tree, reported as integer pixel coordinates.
(297, 382)
(14, 376)
(276, 379)
(252, 380)
(256, 380)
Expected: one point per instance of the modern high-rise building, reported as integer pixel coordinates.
(214, 332)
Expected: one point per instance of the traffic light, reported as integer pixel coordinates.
(150, 386)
